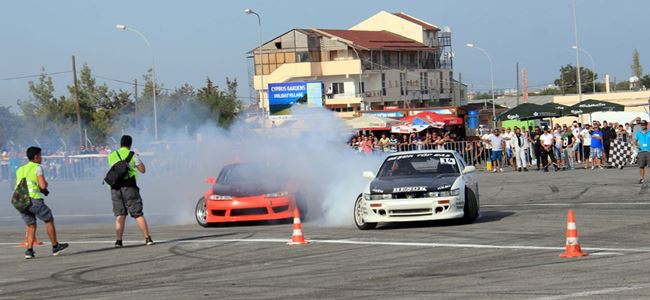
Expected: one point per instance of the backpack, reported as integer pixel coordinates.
(21, 199)
(116, 175)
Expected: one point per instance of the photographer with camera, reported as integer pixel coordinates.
(32, 172)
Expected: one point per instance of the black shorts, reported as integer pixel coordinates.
(127, 200)
(586, 150)
(38, 210)
(644, 159)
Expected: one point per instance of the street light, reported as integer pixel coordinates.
(592, 63)
(249, 11)
(153, 74)
(470, 45)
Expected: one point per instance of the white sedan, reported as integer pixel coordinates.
(419, 186)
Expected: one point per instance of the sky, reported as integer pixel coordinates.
(193, 40)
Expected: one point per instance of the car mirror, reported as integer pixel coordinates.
(469, 169)
(369, 174)
(211, 180)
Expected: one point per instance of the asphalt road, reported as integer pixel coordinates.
(511, 252)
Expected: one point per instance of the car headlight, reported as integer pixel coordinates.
(377, 196)
(454, 192)
(277, 195)
(220, 197)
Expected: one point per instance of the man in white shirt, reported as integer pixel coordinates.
(547, 141)
(497, 144)
(507, 137)
(585, 138)
(519, 146)
(486, 142)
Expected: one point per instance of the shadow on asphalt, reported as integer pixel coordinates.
(486, 217)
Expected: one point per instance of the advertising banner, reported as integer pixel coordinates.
(282, 96)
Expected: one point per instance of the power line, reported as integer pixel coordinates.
(35, 75)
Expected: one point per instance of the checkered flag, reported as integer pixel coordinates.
(620, 154)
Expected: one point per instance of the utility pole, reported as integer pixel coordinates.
(135, 103)
(76, 98)
(517, 83)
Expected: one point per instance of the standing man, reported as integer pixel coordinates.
(519, 147)
(585, 137)
(609, 134)
(547, 142)
(507, 137)
(496, 142)
(596, 154)
(126, 198)
(567, 150)
(575, 130)
(641, 140)
(533, 138)
(487, 143)
(37, 186)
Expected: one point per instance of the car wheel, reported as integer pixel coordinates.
(358, 216)
(471, 207)
(201, 213)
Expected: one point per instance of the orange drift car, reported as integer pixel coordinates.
(247, 192)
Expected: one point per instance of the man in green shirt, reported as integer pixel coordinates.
(126, 197)
(32, 172)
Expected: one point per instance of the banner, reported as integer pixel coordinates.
(282, 96)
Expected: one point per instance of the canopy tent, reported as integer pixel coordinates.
(431, 117)
(370, 122)
(591, 106)
(416, 125)
(528, 111)
(560, 109)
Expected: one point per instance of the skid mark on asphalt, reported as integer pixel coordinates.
(374, 243)
(597, 292)
(554, 188)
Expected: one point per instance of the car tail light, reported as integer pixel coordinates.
(443, 202)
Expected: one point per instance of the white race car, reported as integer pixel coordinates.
(419, 186)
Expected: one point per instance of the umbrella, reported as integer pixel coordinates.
(370, 122)
(560, 109)
(592, 106)
(528, 111)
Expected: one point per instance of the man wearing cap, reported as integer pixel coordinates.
(642, 141)
(596, 154)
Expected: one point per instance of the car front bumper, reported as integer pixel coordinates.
(250, 209)
(407, 210)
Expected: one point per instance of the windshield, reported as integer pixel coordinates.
(418, 165)
(251, 172)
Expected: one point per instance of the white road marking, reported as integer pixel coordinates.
(597, 292)
(606, 253)
(376, 243)
(566, 204)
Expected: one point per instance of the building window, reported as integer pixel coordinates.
(362, 87)
(401, 83)
(302, 56)
(383, 84)
(387, 60)
(337, 88)
(424, 79)
(412, 58)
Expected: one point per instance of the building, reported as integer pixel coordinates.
(388, 61)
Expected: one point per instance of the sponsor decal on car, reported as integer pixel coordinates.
(379, 191)
(407, 189)
(444, 187)
(447, 161)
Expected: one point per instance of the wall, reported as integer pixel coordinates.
(389, 22)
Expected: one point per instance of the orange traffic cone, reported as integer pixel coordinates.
(297, 238)
(36, 242)
(572, 244)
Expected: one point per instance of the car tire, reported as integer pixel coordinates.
(201, 213)
(358, 216)
(471, 207)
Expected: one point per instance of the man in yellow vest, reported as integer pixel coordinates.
(126, 198)
(37, 186)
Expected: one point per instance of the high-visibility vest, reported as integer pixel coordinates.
(28, 171)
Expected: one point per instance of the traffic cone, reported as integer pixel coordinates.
(572, 244)
(297, 238)
(36, 241)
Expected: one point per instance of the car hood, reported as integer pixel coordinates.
(408, 184)
(247, 189)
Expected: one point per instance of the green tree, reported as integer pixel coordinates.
(637, 69)
(223, 106)
(568, 81)
(9, 125)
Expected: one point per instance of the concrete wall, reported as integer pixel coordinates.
(386, 21)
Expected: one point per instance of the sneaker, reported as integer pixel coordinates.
(501, 170)
(641, 181)
(518, 169)
(525, 169)
(601, 167)
(148, 241)
(118, 244)
(593, 167)
(58, 248)
(29, 253)
(494, 170)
